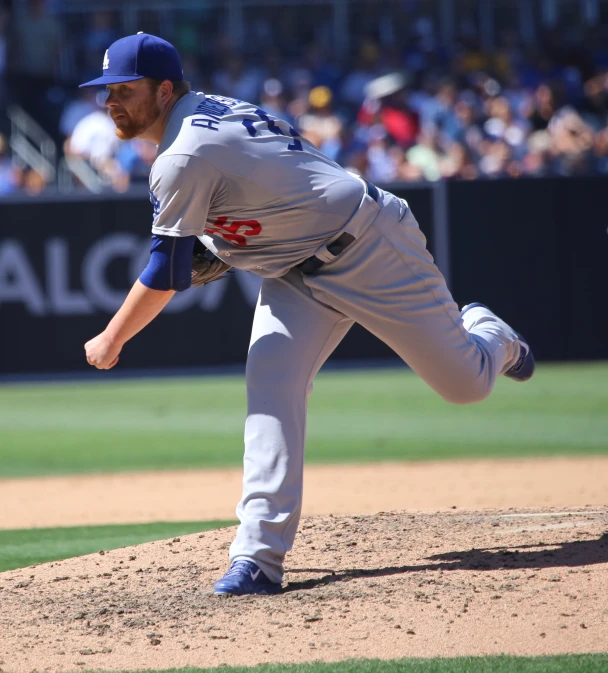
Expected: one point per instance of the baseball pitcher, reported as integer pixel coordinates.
(233, 186)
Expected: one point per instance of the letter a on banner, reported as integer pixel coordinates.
(18, 282)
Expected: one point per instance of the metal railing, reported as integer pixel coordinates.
(31, 145)
(33, 148)
(71, 167)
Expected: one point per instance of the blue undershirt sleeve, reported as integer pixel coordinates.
(170, 264)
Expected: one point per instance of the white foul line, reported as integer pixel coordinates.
(539, 514)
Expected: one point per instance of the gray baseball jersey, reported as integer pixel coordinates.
(261, 196)
(257, 194)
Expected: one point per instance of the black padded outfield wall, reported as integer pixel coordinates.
(535, 251)
(66, 266)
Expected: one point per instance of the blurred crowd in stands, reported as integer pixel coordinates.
(415, 112)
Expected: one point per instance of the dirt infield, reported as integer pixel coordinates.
(390, 585)
(199, 495)
(463, 579)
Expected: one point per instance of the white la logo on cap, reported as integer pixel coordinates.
(106, 61)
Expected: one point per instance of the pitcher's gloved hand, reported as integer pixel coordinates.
(206, 267)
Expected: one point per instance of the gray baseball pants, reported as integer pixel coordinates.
(386, 281)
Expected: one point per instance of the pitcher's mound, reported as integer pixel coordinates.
(389, 585)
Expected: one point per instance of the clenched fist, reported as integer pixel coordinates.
(102, 352)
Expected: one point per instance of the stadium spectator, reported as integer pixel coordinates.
(272, 99)
(497, 161)
(571, 143)
(464, 126)
(427, 111)
(594, 106)
(536, 162)
(382, 161)
(438, 109)
(501, 124)
(386, 104)
(94, 141)
(542, 107)
(458, 163)
(320, 125)
(76, 109)
(33, 182)
(135, 158)
(425, 155)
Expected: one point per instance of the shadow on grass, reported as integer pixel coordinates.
(564, 555)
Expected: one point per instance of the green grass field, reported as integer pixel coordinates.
(354, 416)
(583, 663)
(22, 548)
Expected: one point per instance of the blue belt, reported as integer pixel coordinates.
(338, 246)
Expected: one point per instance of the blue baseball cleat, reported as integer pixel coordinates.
(524, 368)
(244, 577)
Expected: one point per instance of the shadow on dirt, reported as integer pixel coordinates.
(560, 555)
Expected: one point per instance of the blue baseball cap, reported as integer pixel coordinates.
(138, 56)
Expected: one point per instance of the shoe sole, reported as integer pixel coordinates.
(247, 593)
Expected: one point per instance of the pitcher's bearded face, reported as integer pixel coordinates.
(133, 107)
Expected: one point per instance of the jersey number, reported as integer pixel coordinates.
(229, 231)
(295, 146)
